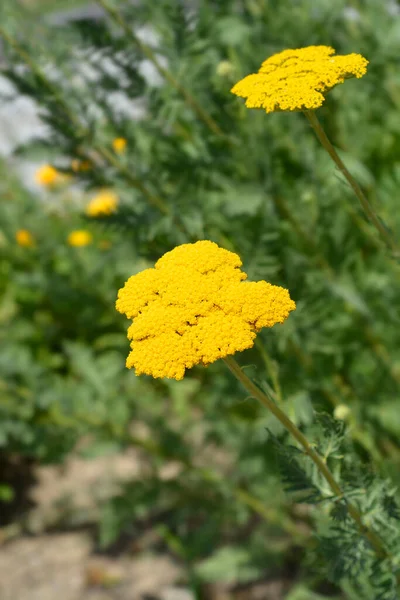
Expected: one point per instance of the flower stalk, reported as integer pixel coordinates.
(375, 541)
(365, 204)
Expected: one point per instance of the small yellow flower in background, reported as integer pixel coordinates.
(80, 237)
(80, 165)
(298, 79)
(48, 176)
(194, 308)
(119, 145)
(104, 203)
(24, 238)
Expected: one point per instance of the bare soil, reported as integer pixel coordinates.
(65, 563)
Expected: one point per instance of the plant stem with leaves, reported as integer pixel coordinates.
(374, 540)
(365, 204)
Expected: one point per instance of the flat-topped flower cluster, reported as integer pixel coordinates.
(298, 79)
(193, 308)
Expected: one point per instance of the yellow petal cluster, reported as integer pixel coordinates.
(298, 79)
(194, 307)
(119, 145)
(24, 238)
(103, 204)
(80, 237)
(48, 176)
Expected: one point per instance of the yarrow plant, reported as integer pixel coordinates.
(194, 308)
(358, 517)
(297, 80)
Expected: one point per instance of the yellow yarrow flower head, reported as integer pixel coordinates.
(119, 145)
(80, 237)
(24, 238)
(48, 176)
(104, 203)
(193, 308)
(298, 79)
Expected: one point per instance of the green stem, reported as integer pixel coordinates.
(148, 52)
(322, 467)
(366, 206)
(270, 515)
(272, 371)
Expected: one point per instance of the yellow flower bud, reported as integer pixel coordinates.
(342, 412)
(224, 68)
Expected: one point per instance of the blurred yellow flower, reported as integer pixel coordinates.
(298, 79)
(24, 238)
(194, 308)
(80, 237)
(104, 203)
(119, 145)
(48, 176)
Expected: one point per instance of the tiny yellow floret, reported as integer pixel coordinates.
(119, 145)
(194, 307)
(295, 80)
(48, 176)
(103, 204)
(80, 237)
(24, 238)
